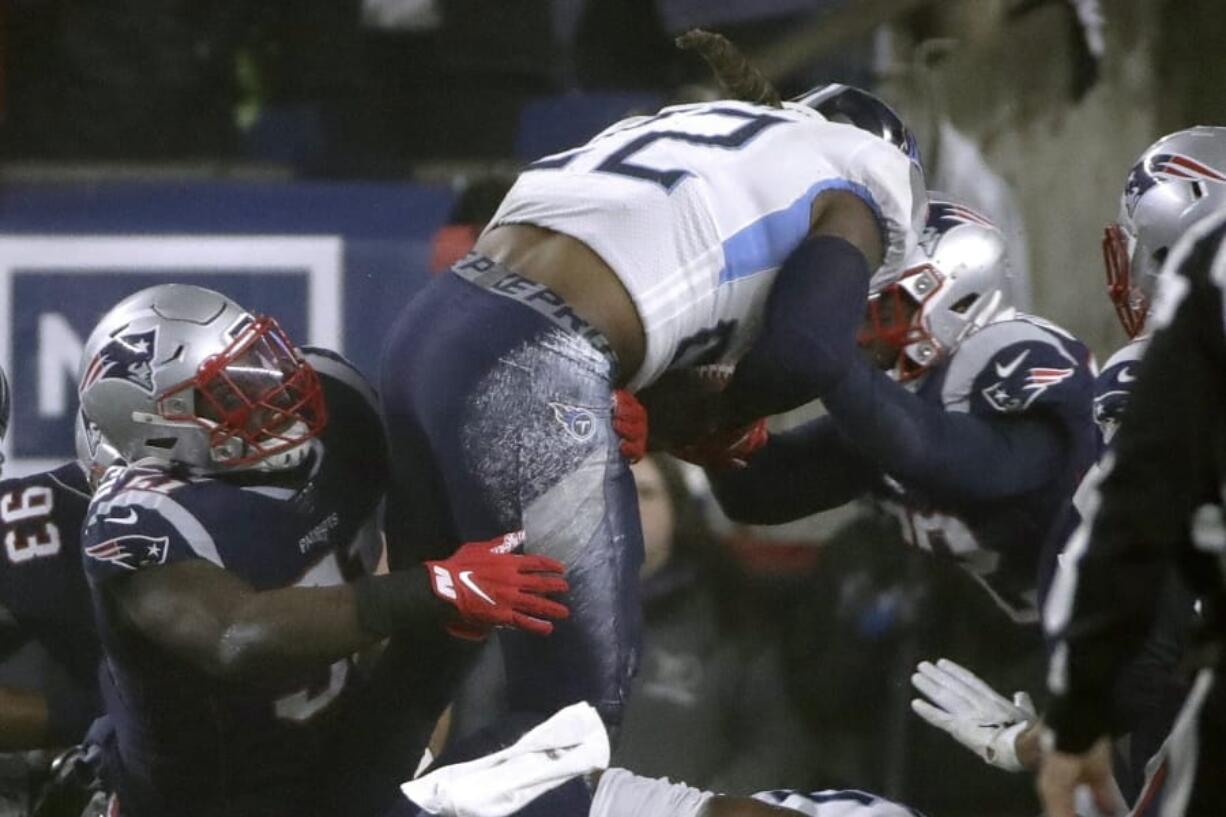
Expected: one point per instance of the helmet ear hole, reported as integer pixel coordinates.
(1160, 254)
(965, 303)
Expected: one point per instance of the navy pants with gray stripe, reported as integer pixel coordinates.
(498, 404)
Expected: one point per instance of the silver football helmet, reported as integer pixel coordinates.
(184, 375)
(955, 282)
(94, 453)
(1176, 182)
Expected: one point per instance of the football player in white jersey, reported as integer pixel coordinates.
(701, 235)
(572, 744)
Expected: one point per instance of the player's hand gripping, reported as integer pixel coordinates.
(977, 716)
(730, 448)
(491, 585)
(630, 423)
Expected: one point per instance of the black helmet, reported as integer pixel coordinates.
(844, 103)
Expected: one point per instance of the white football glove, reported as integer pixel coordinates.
(977, 716)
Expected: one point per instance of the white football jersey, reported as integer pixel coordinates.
(695, 209)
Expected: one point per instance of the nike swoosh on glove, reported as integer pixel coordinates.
(491, 585)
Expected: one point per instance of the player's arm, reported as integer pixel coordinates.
(812, 313)
(217, 622)
(967, 455)
(799, 472)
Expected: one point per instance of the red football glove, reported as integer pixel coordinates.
(492, 586)
(630, 423)
(731, 448)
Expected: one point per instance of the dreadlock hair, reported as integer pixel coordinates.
(734, 72)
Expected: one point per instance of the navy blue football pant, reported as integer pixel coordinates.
(498, 403)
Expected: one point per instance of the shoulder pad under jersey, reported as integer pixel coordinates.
(142, 517)
(1113, 388)
(1017, 365)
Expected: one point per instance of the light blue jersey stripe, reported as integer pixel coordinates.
(765, 243)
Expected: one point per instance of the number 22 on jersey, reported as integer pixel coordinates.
(737, 129)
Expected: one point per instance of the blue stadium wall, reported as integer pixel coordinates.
(333, 262)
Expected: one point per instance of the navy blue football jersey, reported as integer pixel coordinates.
(1114, 387)
(185, 743)
(43, 595)
(1023, 366)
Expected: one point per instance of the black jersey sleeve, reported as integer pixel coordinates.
(1162, 470)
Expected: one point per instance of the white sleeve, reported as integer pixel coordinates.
(896, 187)
(622, 794)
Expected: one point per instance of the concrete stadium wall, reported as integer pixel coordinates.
(1006, 82)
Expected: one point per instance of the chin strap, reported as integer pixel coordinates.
(280, 461)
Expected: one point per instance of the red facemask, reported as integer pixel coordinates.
(890, 326)
(258, 390)
(1130, 305)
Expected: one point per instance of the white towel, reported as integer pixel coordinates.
(571, 743)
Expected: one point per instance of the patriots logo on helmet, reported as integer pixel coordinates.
(1165, 167)
(1139, 182)
(125, 357)
(578, 422)
(943, 216)
(132, 551)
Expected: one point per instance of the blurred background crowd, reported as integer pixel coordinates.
(773, 657)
